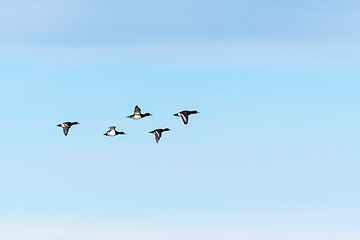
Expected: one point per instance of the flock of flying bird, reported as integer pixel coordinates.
(137, 115)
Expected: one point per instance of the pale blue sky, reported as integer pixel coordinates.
(274, 153)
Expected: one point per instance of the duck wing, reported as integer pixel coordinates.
(185, 117)
(137, 110)
(66, 130)
(157, 136)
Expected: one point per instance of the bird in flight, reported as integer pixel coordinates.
(185, 115)
(112, 132)
(137, 113)
(66, 126)
(158, 132)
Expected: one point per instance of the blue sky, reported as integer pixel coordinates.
(273, 153)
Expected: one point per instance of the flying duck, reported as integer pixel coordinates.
(66, 126)
(137, 113)
(185, 115)
(158, 132)
(112, 132)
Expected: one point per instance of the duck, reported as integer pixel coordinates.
(66, 126)
(137, 113)
(158, 132)
(112, 132)
(185, 115)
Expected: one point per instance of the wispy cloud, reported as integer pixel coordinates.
(118, 22)
(246, 53)
(181, 33)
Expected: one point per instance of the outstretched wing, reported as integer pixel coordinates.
(66, 130)
(137, 110)
(157, 136)
(184, 117)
